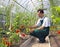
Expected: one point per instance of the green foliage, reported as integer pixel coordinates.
(8, 14)
(1, 10)
(23, 19)
(2, 45)
(14, 37)
(56, 15)
(14, 0)
(58, 9)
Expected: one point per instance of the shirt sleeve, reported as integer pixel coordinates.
(38, 23)
(46, 22)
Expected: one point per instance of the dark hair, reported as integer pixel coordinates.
(41, 10)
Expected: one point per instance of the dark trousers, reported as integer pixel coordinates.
(41, 34)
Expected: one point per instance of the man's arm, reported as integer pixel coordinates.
(40, 28)
(34, 26)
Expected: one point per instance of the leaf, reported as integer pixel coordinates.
(52, 16)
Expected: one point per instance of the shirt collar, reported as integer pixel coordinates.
(42, 18)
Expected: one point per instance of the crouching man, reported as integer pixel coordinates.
(41, 28)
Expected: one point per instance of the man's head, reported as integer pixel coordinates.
(40, 12)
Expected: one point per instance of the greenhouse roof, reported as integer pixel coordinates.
(30, 5)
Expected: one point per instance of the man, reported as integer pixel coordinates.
(41, 28)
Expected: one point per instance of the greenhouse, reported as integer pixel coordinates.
(18, 19)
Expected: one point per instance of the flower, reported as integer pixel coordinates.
(17, 31)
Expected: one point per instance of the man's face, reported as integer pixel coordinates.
(40, 14)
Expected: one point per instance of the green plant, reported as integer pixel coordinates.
(8, 15)
(14, 38)
(2, 45)
(56, 15)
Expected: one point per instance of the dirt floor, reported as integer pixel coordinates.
(35, 43)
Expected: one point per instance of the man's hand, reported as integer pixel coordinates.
(31, 30)
(32, 27)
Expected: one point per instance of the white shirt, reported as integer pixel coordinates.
(46, 22)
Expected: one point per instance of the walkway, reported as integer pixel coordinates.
(35, 43)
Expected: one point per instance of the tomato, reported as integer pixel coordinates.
(4, 40)
(17, 31)
(58, 31)
(8, 43)
(23, 34)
